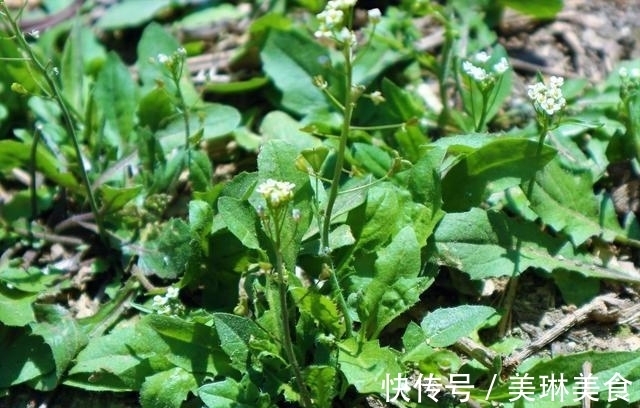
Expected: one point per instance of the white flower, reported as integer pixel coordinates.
(376, 97)
(296, 215)
(275, 192)
(163, 58)
(182, 51)
(482, 57)
(547, 99)
(477, 73)
(623, 72)
(331, 17)
(159, 301)
(347, 36)
(172, 292)
(374, 15)
(501, 67)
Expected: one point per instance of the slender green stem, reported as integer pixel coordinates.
(182, 106)
(335, 183)
(32, 182)
(510, 294)
(66, 115)
(286, 331)
(484, 111)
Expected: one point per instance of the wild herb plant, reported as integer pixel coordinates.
(302, 282)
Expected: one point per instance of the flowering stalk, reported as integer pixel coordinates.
(48, 75)
(548, 101)
(277, 195)
(175, 65)
(485, 79)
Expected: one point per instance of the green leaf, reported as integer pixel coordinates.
(564, 200)
(365, 365)
(28, 359)
(604, 366)
(321, 308)
(16, 154)
(72, 67)
(535, 8)
(114, 199)
(200, 171)
(213, 119)
(228, 393)
(236, 333)
(131, 13)
(497, 165)
(402, 105)
(240, 218)
(156, 108)
(279, 125)
(291, 59)
(200, 218)
(372, 158)
(395, 286)
(167, 388)
(277, 161)
(483, 244)
(15, 306)
(445, 326)
(116, 95)
(236, 87)
(166, 256)
(61, 333)
(27, 280)
(321, 381)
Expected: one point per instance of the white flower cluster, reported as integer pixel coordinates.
(632, 74)
(481, 73)
(547, 98)
(332, 21)
(276, 193)
(169, 304)
(174, 61)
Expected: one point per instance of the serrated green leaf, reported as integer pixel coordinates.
(241, 219)
(483, 244)
(365, 365)
(235, 334)
(167, 389)
(321, 381)
(116, 95)
(498, 164)
(564, 200)
(200, 218)
(320, 308)
(395, 286)
(228, 393)
(167, 254)
(445, 326)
